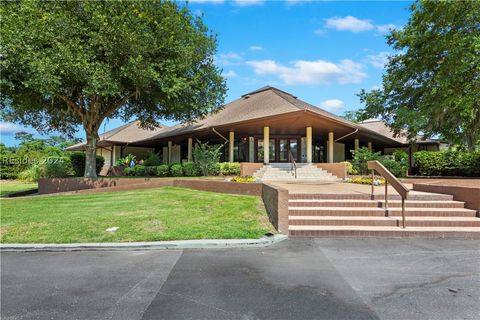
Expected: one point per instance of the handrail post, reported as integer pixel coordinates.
(403, 212)
(373, 182)
(386, 198)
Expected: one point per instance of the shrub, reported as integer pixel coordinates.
(206, 156)
(350, 169)
(190, 169)
(163, 170)
(364, 180)
(153, 159)
(10, 166)
(246, 179)
(150, 170)
(360, 158)
(56, 167)
(32, 174)
(129, 171)
(127, 161)
(77, 160)
(229, 168)
(139, 171)
(176, 170)
(448, 163)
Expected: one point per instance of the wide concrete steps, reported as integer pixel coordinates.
(283, 172)
(358, 215)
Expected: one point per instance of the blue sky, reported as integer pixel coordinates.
(322, 52)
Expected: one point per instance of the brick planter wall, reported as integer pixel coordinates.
(337, 169)
(251, 189)
(276, 203)
(469, 195)
(249, 168)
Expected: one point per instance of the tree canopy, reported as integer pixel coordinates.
(432, 81)
(67, 64)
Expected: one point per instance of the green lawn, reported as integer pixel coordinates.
(141, 215)
(11, 186)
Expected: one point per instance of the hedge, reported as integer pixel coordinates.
(188, 169)
(78, 163)
(448, 163)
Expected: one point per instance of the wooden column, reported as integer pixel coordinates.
(330, 147)
(190, 146)
(357, 144)
(169, 152)
(231, 144)
(266, 145)
(308, 135)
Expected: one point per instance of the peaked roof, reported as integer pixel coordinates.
(264, 102)
(380, 127)
(128, 133)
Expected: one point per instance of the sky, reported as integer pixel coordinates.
(322, 52)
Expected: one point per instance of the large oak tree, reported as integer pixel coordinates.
(432, 81)
(66, 64)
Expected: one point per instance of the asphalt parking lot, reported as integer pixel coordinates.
(295, 279)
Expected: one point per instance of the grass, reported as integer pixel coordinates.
(141, 215)
(12, 186)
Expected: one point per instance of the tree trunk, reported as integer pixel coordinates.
(91, 155)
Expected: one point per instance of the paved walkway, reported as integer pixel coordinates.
(336, 188)
(295, 279)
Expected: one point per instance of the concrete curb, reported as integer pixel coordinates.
(155, 245)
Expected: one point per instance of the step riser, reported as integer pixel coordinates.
(393, 223)
(346, 213)
(378, 204)
(306, 196)
(375, 234)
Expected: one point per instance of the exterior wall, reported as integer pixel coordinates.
(106, 153)
(249, 168)
(338, 152)
(276, 204)
(176, 155)
(337, 169)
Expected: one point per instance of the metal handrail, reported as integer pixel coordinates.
(293, 164)
(389, 178)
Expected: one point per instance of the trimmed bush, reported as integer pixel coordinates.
(228, 168)
(190, 170)
(153, 159)
(350, 169)
(176, 170)
(163, 170)
(77, 160)
(448, 163)
(139, 171)
(150, 170)
(128, 171)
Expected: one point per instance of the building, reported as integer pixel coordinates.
(267, 126)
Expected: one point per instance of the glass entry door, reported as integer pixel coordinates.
(286, 146)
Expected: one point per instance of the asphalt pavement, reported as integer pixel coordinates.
(294, 279)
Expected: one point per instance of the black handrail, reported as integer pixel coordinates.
(293, 164)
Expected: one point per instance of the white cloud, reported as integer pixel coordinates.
(295, 2)
(311, 72)
(384, 28)
(332, 104)
(228, 59)
(378, 60)
(8, 127)
(246, 3)
(256, 48)
(230, 74)
(349, 23)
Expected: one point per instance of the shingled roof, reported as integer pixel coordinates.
(380, 127)
(264, 102)
(128, 133)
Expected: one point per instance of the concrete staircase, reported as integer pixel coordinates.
(306, 172)
(357, 215)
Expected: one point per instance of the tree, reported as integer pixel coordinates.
(206, 156)
(71, 63)
(23, 136)
(431, 85)
(352, 116)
